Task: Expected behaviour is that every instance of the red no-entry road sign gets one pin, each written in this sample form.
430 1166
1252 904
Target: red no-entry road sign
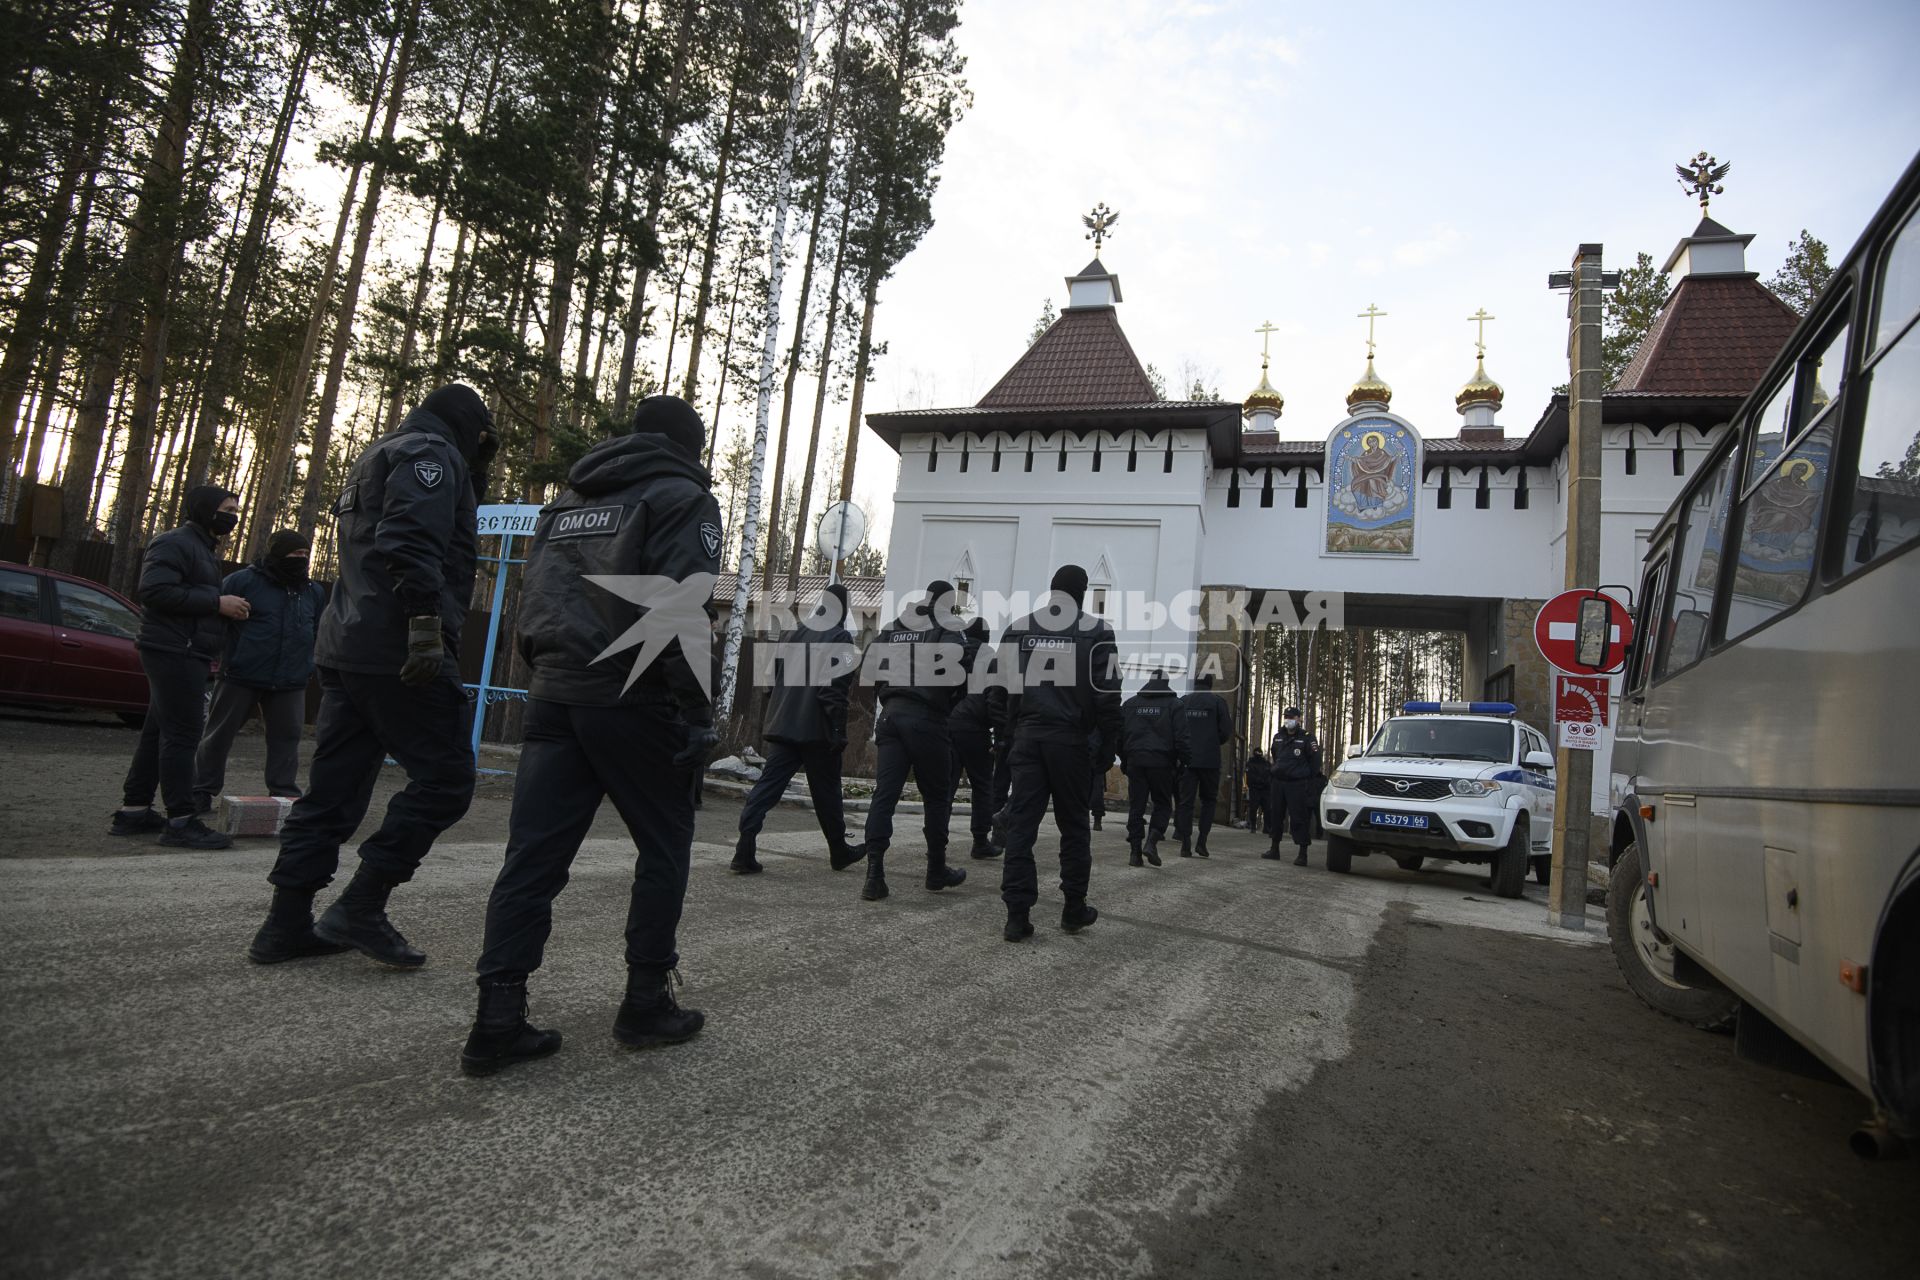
1583 631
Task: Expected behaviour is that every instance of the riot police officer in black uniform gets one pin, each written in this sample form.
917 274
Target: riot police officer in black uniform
389 686
805 727
1257 786
921 670
973 732
639 508
1059 684
1294 775
1152 742
1209 727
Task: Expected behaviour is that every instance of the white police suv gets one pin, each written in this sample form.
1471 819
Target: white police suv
1460 780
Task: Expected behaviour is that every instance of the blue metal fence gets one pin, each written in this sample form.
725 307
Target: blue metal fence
510 523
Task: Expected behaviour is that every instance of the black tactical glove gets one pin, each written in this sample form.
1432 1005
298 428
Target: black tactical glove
700 740
426 653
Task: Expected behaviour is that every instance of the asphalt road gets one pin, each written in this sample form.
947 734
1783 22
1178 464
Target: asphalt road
1244 1068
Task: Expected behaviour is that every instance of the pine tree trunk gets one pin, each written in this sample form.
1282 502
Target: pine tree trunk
645 245
703 296
865 353
350 290
801 509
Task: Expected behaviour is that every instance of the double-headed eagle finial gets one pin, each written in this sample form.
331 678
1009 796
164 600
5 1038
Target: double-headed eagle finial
1701 177
1098 224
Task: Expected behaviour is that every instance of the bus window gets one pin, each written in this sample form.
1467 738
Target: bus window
1779 526
1646 632
1883 510
1697 571
1769 433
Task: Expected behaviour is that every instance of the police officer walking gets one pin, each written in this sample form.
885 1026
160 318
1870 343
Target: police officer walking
389 686
183 628
921 668
1257 784
805 727
1294 774
1209 726
638 507
1152 742
1061 693
973 732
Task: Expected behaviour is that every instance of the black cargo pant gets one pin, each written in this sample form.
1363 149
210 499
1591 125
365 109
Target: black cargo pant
1199 789
575 757
821 760
281 710
1257 808
909 738
176 713
1294 798
1149 782
363 719
1097 790
973 757
1061 772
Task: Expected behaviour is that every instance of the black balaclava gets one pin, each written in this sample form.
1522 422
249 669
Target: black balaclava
833 609
1071 579
1158 681
940 602
203 508
1203 681
467 416
288 569
674 418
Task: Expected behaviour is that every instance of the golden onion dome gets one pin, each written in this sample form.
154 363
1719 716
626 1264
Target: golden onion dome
1481 390
1371 389
1263 399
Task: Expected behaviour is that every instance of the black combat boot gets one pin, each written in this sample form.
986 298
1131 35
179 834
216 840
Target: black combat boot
841 855
1133 852
1019 928
1273 852
136 822
1301 859
1151 849
1200 849
744 863
940 875
982 849
288 933
876 886
1096 821
1186 848
1077 915
649 1016
501 1034
358 919
191 833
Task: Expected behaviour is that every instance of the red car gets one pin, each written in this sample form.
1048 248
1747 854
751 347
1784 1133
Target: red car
67 642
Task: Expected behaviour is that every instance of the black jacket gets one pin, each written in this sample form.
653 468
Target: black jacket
972 714
1209 727
1058 681
406 542
273 648
180 595
804 706
635 507
1256 775
1153 733
1296 757
914 659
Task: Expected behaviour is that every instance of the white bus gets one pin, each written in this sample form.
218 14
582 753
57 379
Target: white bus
1766 776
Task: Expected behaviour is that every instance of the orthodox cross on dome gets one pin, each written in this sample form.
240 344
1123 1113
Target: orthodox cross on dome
1099 224
1371 314
1266 332
1701 177
1480 318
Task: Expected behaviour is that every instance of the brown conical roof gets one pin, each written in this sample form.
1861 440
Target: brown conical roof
1083 360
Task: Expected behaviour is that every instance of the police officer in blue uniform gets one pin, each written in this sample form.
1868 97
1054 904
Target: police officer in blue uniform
1209 726
389 684
1294 774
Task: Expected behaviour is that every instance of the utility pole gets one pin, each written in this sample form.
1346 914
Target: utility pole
1573 777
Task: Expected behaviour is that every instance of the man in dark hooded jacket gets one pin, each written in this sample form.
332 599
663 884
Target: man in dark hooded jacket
1058 691
1209 726
616 621
805 727
182 630
269 659
1153 741
973 729
919 662
1256 778
389 685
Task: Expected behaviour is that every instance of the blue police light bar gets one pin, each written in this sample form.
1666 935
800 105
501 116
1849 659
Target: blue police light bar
1460 708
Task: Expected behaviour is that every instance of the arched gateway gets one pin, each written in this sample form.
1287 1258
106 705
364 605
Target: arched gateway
1070 457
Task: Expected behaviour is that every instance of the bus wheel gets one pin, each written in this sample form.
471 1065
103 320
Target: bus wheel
1339 855
1648 963
1510 864
1543 868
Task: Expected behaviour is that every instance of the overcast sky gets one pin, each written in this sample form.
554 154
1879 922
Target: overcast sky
1297 162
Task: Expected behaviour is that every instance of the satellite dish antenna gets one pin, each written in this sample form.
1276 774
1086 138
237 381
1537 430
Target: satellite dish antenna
842 528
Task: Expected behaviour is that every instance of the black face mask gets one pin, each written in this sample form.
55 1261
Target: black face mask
291 570
224 523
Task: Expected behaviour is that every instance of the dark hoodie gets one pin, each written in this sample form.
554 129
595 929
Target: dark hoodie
634 506
811 670
1154 735
180 583
406 537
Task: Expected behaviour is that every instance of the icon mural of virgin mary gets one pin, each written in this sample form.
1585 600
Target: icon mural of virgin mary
1371 468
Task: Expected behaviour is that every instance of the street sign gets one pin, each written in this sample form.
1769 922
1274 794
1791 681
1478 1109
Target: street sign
1580 710
1583 631
1580 735
843 527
